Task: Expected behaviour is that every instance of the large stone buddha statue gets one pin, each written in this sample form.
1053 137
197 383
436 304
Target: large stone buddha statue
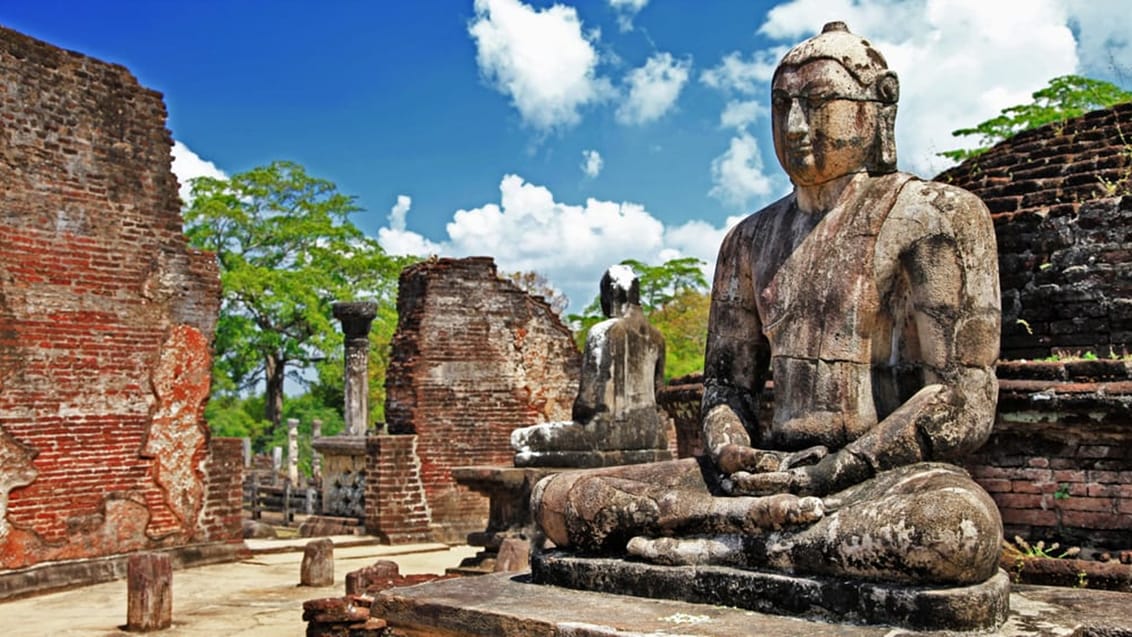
871 298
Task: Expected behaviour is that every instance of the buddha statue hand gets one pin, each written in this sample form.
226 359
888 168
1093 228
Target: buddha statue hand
831 474
733 458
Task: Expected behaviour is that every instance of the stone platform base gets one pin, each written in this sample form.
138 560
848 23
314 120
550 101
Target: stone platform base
565 460
505 605
979 607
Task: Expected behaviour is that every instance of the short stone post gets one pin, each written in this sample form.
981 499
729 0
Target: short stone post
276 464
247 452
149 592
318 564
293 451
356 318
316 457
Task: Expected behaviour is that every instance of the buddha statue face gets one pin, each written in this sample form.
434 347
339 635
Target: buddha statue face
833 109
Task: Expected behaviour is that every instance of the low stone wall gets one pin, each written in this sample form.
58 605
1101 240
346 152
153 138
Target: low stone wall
1058 462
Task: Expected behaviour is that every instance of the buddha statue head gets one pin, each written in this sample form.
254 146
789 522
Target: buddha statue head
833 108
619 289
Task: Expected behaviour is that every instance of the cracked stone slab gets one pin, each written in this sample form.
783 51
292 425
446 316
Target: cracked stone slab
508 605
982 606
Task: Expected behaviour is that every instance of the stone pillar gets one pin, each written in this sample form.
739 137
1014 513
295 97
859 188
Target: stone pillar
293 451
317 568
316 457
356 318
149 592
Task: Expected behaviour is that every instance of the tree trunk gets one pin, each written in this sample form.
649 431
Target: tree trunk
273 405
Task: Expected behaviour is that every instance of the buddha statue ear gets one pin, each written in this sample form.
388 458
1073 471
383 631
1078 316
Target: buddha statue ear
887 92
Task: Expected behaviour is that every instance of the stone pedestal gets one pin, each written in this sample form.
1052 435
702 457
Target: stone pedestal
979 607
509 516
149 592
505 605
343 484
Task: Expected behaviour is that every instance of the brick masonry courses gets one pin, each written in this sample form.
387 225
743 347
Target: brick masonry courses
106 322
473 358
1061 199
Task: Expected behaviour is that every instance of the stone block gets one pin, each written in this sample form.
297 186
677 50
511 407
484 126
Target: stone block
317 568
981 606
514 555
149 592
358 581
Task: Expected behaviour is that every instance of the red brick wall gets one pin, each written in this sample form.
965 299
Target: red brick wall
1059 461
106 317
1065 257
473 358
222 517
393 480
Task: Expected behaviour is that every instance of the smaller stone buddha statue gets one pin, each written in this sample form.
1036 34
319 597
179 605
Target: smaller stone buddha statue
615 419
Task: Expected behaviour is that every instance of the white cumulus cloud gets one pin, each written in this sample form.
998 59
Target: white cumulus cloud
738 114
570 244
592 163
626 11
541 59
1104 42
733 74
653 89
188 165
397 239
738 174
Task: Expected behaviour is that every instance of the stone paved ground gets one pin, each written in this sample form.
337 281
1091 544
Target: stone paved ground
257 597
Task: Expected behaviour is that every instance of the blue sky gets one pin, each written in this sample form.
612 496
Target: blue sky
556 137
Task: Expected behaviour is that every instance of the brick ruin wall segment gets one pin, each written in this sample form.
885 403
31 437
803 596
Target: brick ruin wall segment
1061 200
106 322
473 358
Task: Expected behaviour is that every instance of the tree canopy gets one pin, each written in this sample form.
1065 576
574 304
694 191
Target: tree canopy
286 249
1065 97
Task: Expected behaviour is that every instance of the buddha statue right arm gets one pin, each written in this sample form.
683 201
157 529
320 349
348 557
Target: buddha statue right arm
736 363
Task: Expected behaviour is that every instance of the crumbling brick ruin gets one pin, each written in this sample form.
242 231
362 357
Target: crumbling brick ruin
1059 462
1065 256
473 358
106 321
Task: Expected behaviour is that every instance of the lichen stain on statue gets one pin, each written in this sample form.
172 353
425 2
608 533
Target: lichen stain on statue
177 437
615 418
872 297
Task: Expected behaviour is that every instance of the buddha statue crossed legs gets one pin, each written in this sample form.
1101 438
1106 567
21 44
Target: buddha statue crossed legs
872 297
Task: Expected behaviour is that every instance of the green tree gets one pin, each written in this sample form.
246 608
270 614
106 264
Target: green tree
286 250
1066 97
675 299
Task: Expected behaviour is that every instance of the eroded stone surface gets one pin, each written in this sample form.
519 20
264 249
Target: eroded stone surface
872 297
615 416
317 568
506 605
